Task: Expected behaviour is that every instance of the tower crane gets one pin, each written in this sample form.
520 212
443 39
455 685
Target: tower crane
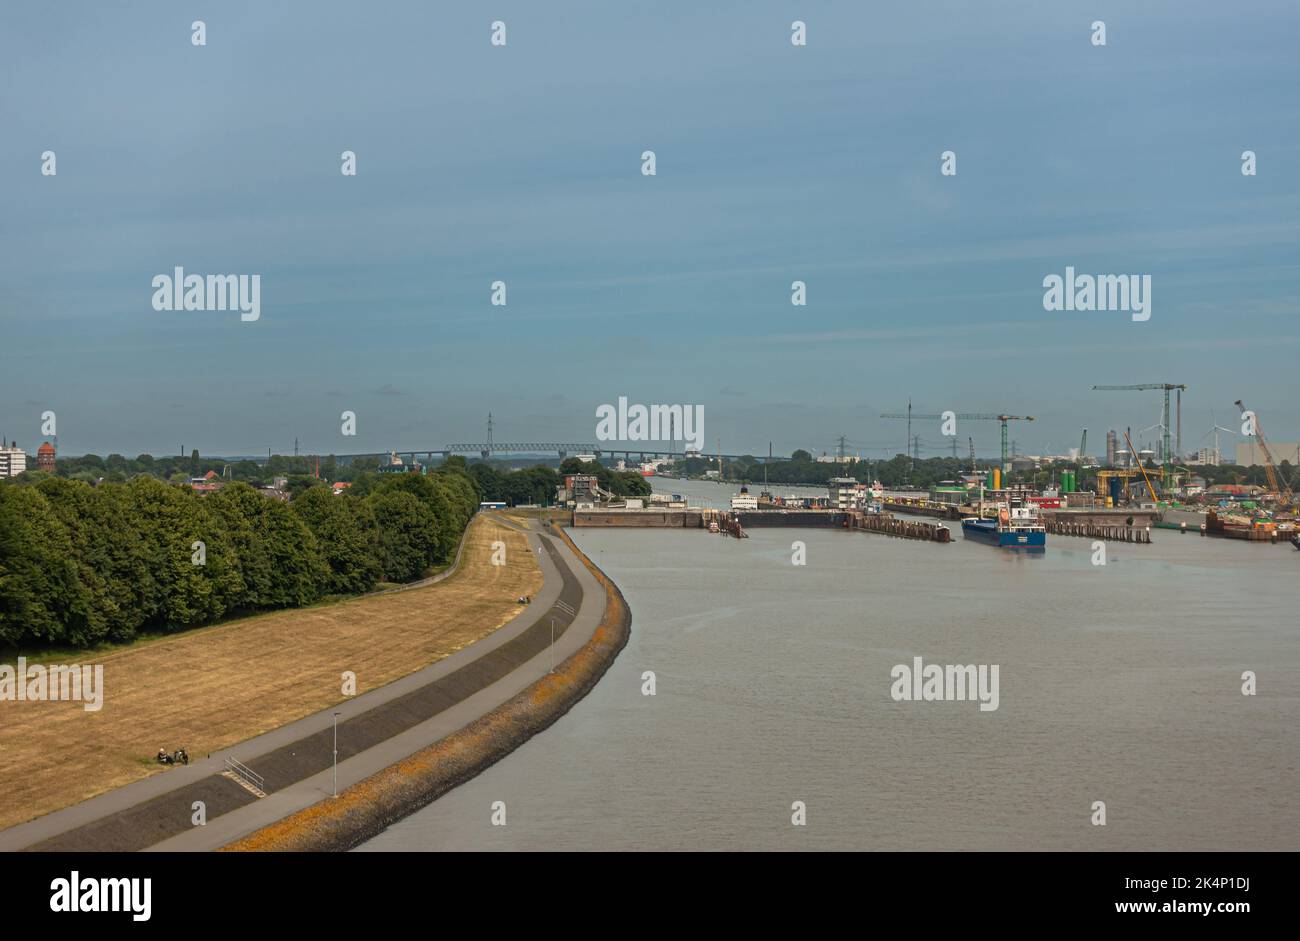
968 416
1167 458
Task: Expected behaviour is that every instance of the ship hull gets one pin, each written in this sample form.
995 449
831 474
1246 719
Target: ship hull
987 532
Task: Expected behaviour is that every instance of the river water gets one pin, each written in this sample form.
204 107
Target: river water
1118 683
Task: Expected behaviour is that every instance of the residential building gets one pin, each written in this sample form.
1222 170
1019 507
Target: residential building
13 460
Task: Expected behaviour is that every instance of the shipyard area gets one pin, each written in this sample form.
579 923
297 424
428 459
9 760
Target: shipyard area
975 506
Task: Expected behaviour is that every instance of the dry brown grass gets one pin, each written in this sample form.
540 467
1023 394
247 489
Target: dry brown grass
211 688
365 808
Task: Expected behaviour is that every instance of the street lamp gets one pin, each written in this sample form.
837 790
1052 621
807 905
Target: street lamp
336 754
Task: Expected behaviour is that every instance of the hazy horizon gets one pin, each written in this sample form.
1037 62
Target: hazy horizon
522 163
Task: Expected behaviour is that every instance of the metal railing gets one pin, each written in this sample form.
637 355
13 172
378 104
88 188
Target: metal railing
242 770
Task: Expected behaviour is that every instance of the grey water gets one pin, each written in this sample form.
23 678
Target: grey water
1118 683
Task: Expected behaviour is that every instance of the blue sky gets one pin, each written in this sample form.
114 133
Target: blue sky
522 163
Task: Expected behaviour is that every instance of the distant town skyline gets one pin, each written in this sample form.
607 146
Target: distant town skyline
774 164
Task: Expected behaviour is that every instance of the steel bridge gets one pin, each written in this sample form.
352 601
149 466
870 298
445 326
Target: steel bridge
651 449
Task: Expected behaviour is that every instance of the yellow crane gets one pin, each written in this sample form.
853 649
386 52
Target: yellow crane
1150 489
1281 489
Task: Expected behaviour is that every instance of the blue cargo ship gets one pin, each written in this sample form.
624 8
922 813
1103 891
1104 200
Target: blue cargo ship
1017 526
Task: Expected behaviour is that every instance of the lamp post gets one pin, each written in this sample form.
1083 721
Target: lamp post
336 754
552 645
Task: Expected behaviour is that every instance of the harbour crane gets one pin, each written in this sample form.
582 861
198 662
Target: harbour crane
1147 480
967 416
1167 458
1285 498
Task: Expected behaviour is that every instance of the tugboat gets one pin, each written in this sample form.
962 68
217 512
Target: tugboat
1017 526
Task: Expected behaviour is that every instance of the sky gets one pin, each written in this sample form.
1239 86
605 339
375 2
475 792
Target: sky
523 163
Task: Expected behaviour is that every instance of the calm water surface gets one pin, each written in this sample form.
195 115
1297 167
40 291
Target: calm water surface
1119 683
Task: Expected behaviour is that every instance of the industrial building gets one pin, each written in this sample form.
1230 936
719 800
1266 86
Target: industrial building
1250 453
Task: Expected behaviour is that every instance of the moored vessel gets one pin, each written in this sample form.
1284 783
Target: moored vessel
1017 526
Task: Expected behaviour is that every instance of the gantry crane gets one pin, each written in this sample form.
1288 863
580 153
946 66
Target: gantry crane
968 416
1167 458
1285 498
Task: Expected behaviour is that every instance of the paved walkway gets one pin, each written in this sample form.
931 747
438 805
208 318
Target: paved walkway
375 730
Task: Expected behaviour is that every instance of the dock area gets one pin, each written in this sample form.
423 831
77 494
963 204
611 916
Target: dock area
1093 530
905 529
919 506
691 518
804 518
735 522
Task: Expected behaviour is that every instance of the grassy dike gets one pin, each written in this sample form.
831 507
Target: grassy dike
212 687
367 808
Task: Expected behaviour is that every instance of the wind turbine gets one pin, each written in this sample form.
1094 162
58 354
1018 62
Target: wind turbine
1162 438
1215 428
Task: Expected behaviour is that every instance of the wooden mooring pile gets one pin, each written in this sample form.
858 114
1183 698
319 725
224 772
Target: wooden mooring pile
905 529
1105 533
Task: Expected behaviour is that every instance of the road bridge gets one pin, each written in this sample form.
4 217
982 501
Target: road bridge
649 451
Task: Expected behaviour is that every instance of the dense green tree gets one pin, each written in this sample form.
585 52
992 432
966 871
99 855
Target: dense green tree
571 465
303 482
348 536
42 597
433 492
490 481
278 556
82 562
95 535
170 520
407 533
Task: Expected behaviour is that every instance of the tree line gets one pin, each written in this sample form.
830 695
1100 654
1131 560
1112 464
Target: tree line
82 564
537 484
526 485
116 468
